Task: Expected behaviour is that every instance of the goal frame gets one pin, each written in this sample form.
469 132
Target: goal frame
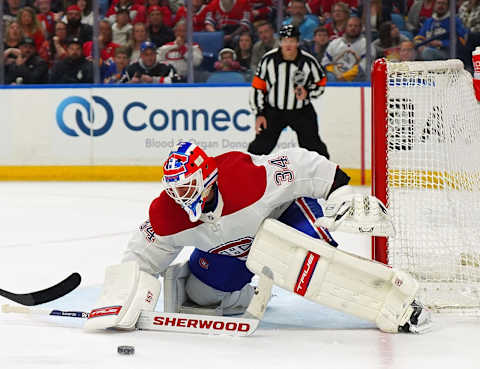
451 281
379 145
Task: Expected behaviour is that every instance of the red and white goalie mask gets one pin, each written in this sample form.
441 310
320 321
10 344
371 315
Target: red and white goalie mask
188 174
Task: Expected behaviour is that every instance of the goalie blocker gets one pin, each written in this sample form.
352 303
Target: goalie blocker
334 278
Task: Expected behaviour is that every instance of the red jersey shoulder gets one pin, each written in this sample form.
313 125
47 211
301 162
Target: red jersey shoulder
240 181
167 217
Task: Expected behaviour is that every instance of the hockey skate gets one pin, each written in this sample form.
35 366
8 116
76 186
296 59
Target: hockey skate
420 321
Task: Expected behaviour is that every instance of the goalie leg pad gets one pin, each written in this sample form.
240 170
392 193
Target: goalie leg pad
332 277
126 292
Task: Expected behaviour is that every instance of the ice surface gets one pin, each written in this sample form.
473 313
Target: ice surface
50 229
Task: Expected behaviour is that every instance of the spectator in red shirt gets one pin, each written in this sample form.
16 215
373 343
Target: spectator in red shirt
107 47
230 16
340 15
420 11
327 6
46 17
261 9
199 13
137 10
30 26
55 48
165 8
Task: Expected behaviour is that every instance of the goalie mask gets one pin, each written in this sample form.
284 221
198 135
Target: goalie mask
188 174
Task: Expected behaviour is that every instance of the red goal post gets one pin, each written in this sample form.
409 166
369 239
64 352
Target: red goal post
426 169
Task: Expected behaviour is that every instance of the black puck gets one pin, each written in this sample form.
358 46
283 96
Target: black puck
126 350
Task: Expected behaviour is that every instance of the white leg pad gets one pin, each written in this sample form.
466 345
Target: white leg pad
331 277
126 292
263 292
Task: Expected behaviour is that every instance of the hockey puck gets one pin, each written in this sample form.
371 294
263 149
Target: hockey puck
126 350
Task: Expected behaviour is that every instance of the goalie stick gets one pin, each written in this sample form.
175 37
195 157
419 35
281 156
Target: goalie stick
46 295
159 321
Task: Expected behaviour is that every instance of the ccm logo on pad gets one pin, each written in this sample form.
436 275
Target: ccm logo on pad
109 310
306 273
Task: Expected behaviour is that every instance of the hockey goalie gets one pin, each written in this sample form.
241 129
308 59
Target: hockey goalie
266 215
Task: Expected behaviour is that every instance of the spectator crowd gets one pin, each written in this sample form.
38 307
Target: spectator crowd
145 41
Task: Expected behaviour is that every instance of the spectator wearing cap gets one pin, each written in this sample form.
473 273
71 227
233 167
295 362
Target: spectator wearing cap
175 53
227 61
28 67
199 14
148 70
122 29
75 68
136 9
230 16
30 26
158 33
306 23
105 43
75 27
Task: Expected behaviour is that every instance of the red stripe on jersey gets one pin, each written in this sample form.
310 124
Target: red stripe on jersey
311 217
232 244
306 273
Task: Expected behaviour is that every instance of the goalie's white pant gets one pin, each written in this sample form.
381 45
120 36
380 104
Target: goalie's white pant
331 277
182 288
235 302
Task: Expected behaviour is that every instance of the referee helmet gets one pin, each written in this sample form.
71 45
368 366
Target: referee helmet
289 30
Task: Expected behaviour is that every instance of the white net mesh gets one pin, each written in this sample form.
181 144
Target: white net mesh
433 160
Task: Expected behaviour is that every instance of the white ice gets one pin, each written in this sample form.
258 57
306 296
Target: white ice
50 229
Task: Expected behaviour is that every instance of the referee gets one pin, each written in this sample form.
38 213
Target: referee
285 81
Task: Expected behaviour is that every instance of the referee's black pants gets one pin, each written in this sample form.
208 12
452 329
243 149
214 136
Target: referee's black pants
302 121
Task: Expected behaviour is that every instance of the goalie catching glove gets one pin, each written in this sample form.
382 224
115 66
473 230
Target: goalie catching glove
347 211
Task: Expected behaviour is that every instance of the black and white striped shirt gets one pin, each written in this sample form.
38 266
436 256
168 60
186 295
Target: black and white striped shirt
273 83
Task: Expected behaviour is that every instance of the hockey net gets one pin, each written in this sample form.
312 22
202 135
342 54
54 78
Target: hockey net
426 168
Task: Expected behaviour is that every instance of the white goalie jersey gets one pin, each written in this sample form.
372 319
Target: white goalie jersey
250 189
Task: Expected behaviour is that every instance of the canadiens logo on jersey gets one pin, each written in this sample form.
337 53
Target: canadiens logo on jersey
237 248
203 262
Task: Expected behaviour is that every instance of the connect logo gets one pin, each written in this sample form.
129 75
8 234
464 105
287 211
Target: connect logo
79 116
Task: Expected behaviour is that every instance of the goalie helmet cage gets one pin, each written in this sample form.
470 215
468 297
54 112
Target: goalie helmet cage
426 169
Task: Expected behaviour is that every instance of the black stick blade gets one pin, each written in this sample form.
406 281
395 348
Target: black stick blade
46 295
